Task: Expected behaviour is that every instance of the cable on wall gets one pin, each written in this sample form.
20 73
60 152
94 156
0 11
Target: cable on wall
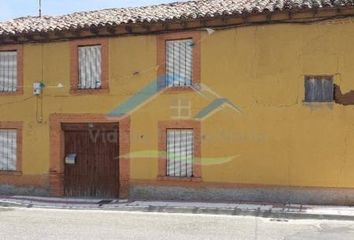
39 87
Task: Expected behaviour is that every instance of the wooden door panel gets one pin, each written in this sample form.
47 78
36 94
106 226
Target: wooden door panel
96 171
76 176
106 148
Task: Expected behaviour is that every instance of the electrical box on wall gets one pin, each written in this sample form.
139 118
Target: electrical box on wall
38 88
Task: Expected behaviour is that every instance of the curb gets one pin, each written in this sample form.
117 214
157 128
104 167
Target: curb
10 204
237 212
280 215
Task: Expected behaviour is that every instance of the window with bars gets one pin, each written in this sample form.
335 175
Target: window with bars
180 152
8 71
179 63
8 149
319 89
90 67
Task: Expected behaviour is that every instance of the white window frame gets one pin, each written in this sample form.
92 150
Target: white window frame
179 62
180 152
8 71
311 84
8 149
90 67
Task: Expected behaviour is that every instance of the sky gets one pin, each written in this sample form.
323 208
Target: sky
10 9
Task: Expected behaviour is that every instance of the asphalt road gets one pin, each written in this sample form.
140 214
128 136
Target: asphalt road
76 224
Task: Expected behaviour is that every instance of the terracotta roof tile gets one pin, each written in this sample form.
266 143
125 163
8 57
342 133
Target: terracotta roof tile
164 12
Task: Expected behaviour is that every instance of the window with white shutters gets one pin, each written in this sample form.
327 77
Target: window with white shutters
180 152
179 63
8 71
319 89
8 149
90 70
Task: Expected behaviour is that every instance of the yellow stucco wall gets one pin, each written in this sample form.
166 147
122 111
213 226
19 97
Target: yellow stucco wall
276 139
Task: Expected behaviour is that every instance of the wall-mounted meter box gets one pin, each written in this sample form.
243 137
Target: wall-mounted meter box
38 88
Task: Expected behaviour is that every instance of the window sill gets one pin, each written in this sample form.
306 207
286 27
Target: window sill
179 89
79 92
179 179
17 93
10 173
318 103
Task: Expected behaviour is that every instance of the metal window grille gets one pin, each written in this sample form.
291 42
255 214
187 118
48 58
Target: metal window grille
8 149
319 89
180 152
8 71
179 63
90 70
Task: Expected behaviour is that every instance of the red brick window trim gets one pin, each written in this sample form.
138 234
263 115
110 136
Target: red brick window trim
161 57
18 127
19 50
74 63
163 127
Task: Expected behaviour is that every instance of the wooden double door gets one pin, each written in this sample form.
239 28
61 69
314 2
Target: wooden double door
91 161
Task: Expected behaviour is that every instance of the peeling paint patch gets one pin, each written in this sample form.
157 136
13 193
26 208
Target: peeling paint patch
343 99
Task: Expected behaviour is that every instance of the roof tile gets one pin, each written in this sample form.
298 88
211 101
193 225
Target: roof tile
163 12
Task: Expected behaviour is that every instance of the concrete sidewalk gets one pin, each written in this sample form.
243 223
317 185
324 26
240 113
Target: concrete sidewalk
292 211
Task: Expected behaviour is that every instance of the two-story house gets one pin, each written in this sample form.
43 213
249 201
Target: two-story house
224 100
